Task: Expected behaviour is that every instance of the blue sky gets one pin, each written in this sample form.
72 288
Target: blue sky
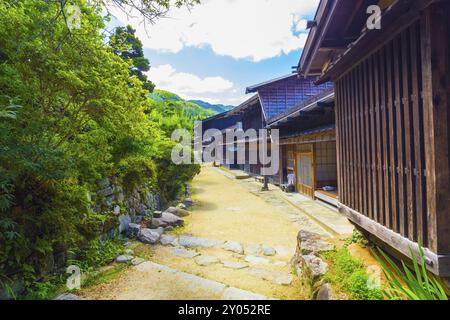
217 49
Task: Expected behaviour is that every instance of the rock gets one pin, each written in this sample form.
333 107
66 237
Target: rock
124 222
193 242
315 246
105 192
108 201
268 251
159 230
305 235
104 183
234 265
148 236
233 246
183 253
140 209
239 294
157 222
182 206
314 265
137 261
68 296
167 219
325 292
168 240
280 264
129 252
283 251
124 259
206 260
284 279
253 249
134 229
157 214
138 219
308 244
188 202
116 210
256 260
120 196
178 212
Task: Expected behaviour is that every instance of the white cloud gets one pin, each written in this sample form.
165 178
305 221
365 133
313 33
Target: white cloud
188 85
242 29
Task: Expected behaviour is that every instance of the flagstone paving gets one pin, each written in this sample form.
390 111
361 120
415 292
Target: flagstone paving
237 243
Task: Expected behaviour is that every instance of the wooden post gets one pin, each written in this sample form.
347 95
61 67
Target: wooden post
436 95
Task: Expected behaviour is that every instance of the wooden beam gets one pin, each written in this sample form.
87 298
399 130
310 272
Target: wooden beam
356 6
436 263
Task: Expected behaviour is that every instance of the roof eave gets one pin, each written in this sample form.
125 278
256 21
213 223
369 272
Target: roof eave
315 37
396 18
254 88
326 95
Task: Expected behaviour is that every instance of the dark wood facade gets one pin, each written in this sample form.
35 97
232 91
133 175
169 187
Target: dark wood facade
272 99
393 119
308 145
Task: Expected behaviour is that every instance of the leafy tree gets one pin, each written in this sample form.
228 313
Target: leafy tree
81 118
129 47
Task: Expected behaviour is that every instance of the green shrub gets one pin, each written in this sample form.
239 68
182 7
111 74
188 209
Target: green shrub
348 274
98 253
82 117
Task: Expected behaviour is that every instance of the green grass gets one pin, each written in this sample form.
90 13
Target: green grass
348 275
104 277
358 238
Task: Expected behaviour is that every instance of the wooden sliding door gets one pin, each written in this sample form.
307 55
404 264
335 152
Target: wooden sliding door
305 170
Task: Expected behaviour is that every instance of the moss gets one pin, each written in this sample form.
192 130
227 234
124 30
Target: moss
348 274
358 238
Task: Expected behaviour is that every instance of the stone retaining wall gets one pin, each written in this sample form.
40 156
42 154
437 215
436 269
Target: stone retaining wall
310 267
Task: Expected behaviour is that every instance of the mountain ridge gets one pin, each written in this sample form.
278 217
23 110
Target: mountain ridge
217 108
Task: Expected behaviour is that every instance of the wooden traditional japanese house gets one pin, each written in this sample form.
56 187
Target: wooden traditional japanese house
308 147
392 88
270 99
276 97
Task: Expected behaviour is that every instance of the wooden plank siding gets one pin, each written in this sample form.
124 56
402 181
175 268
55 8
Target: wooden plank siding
435 52
381 137
392 93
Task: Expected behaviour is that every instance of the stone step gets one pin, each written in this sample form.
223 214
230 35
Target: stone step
330 220
193 286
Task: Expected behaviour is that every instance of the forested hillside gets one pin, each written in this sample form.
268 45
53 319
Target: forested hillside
175 105
73 111
216 108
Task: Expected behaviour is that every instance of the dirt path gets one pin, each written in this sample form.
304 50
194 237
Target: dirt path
225 210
